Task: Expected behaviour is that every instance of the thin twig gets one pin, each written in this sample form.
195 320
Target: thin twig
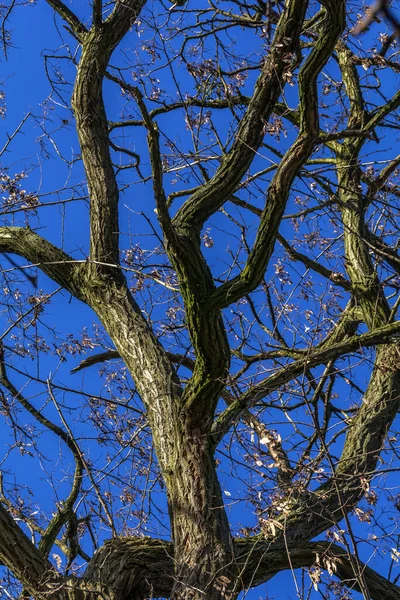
12 136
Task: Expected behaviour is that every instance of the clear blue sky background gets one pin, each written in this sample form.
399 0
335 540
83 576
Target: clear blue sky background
26 86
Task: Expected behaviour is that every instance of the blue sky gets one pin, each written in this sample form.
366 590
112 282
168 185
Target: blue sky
35 38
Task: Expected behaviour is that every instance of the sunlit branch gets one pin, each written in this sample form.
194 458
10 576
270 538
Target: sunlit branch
294 159
258 561
54 262
249 136
314 358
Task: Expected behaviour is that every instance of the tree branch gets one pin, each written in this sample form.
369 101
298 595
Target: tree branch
260 562
202 204
62 516
66 13
335 277
278 192
36 574
18 553
92 128
316 357
52 261
95 359
139 567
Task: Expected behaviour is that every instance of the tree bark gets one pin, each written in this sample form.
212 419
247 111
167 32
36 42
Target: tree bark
204 560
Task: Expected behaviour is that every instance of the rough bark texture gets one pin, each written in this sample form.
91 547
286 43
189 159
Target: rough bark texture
203 548
132 567
203 560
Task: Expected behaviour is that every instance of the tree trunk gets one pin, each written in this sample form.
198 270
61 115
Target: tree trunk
203 548
203 554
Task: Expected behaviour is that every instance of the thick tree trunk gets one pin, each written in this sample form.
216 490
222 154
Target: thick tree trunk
204 562
203 556
200 527
202 546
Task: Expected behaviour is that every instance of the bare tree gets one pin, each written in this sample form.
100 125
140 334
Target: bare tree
251 336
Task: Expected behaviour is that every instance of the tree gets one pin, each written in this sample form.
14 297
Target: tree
256 324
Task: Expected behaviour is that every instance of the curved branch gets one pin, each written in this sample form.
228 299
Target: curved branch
317 356
121 19
95 359
53 261
36 574
294 159
18 553
134 567
260 562
139 567
202 204
92 128
62 516
69 17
